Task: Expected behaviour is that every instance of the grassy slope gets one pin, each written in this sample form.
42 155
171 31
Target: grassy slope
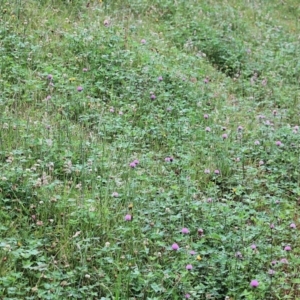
90 137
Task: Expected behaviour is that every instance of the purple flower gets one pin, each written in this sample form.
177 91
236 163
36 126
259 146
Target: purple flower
185 230
217 172
79 88
132 165
160 78
224 136
207 171
189 267
143 41
153 96
85 69
253 246
284 261
273 262
136 161
209 200
128 218
278 143
192 252
293 225
271 272
206 80
207 129
274 112
169 159
106 22
49 77
254 283
115 194
256 142
272 226
238 255
187 296
205 116
175 247
287 248
240 128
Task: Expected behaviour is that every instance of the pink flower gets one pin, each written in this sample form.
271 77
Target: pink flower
238 255
153 97
207 129
192 252
136 161
132 165
287 248
217 172
293 226
254 283
106 22
278 143
189 267
205 116
160 78
272 226
206 171
253 246
224 136
128 218
79 88
240 128
284 261
271 272
187 296
115 194
185 231
175 247
49 77
143 41
169 159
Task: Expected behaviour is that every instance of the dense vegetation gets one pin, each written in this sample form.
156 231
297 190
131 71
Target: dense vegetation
149 149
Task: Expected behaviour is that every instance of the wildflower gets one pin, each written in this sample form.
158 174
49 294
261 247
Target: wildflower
261 162
200 231
272 226
160 78
254 283
85 69
106 22
153 97
189 267
112 110
132 165
274 262
199 257
274 112
224 136
169 159
185 231
107 244
237 159
293 225
187 296
287 248
284 261
192 252
271 272
240 128
206 171
175 247
217 172
128 218
209 200
206 80
253 246
49 77
115 194
256 142
79 88
278 143
205 116
136 161
207 129
143 41
238 255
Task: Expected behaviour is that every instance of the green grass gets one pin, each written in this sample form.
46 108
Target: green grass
204 94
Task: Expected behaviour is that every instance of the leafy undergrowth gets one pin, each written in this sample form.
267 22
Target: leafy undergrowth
149 150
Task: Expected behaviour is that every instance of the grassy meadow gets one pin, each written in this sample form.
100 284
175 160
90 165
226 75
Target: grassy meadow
150 149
